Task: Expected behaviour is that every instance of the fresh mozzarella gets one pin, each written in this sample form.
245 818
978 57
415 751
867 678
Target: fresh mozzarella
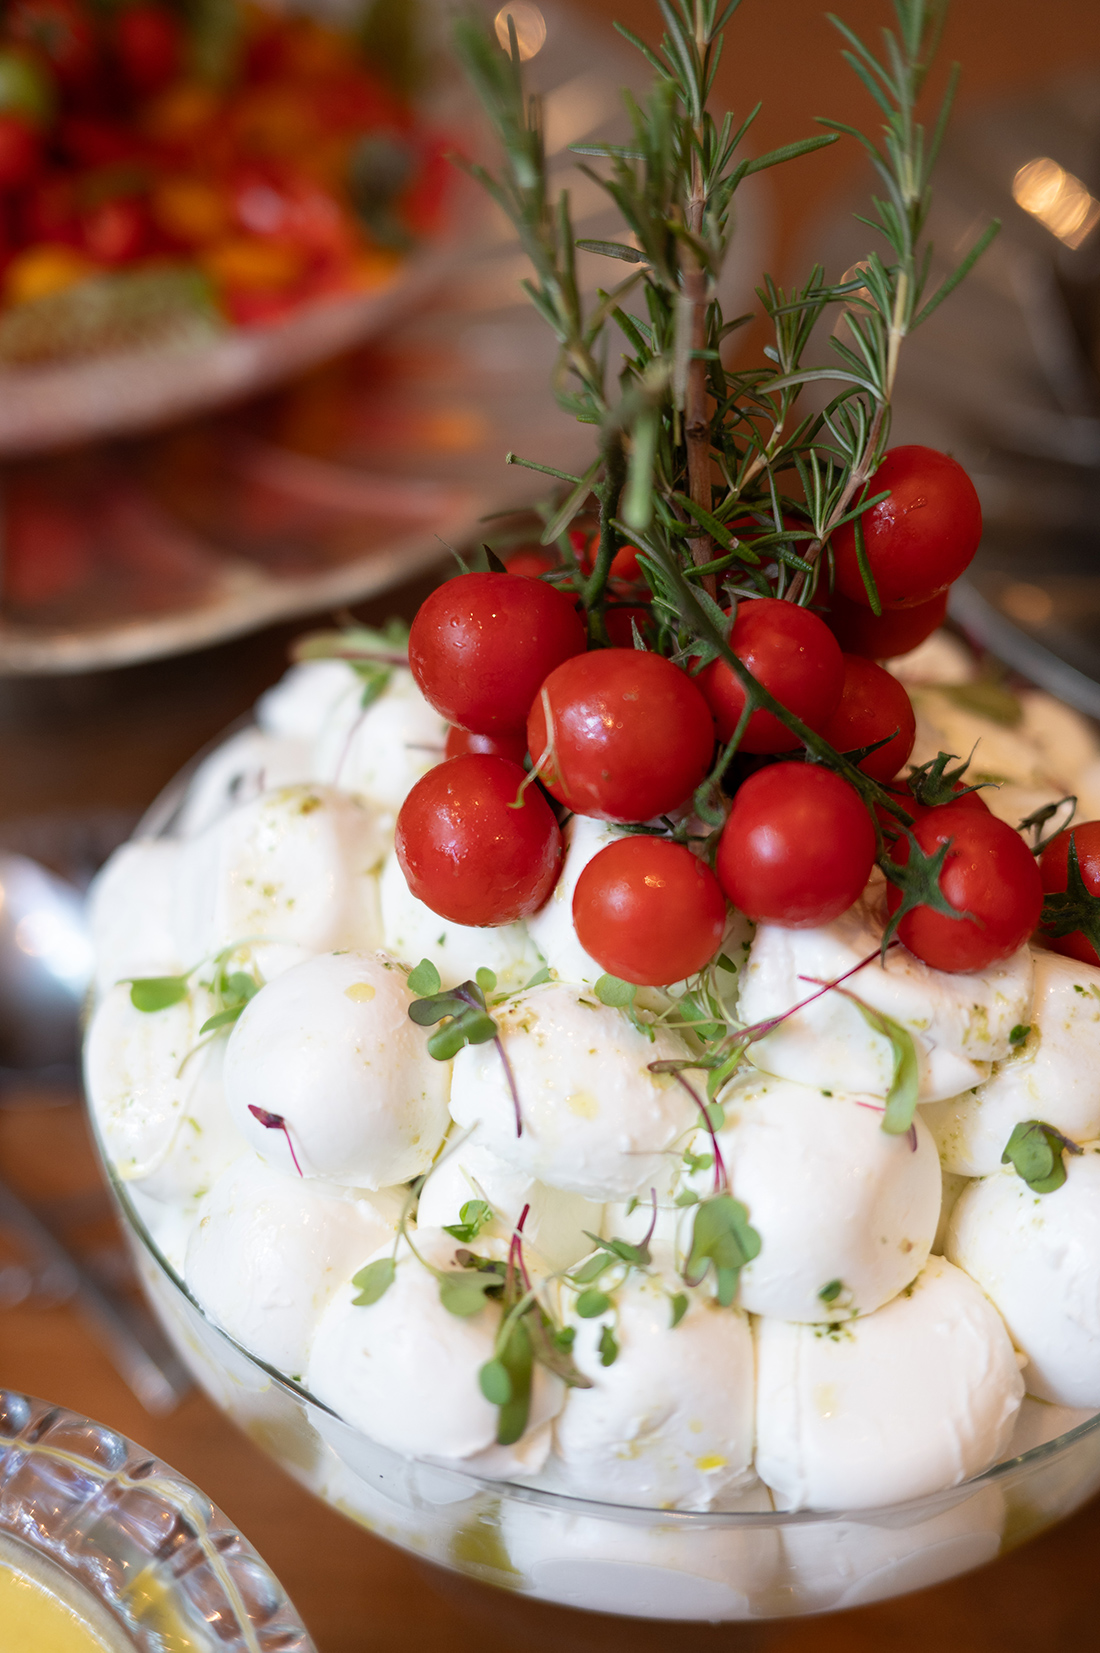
268 1251
554 1228
241 768
411 931
904 1402
551 928
595 1120
404 1369
647 1569
952 1187
960 1023
1053 1074
154 1085
296 865
303 702
380 752
130 912
1037 1257
329 1049
669 1424
846 1213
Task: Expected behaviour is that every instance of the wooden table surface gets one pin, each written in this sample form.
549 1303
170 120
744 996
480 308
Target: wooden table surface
110 740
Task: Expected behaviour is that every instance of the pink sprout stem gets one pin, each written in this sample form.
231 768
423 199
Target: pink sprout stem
720 1178
276 1122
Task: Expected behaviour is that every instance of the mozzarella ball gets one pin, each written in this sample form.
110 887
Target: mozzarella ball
952 1187
1052 1075
328 1047
839 1564
595 1120
130 913
914 1398
669 1424
268 1252
1037 1257
554 1229
238 770
168 1226
833 1197
296 865
155 1088
404 1369
303 702
411 931
382 751
645 1570
551 928
960 1023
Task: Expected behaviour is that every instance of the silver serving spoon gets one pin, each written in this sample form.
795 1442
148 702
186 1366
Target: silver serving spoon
45 969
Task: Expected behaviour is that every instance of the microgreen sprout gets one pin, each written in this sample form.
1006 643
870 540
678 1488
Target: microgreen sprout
465 1017
901 1097
1037 1151
276 1122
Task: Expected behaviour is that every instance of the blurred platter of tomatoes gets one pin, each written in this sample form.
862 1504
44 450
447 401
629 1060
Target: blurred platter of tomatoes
200 197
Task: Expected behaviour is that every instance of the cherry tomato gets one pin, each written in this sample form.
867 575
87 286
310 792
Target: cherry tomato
482 645
20 152
512 744
873 704
116 232
466 853
989 874
62 31
649 911
624 564
920 538
620 623
532 559
798 846
149 46
883 636
1054 871
632 735
797 659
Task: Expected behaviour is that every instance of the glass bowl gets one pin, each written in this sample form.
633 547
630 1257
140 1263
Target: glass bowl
136 1552
754 1563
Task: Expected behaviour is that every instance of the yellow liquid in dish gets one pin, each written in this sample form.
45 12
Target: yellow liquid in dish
43 1614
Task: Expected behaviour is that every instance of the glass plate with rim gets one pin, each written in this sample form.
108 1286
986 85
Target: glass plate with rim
130 1550
751 1563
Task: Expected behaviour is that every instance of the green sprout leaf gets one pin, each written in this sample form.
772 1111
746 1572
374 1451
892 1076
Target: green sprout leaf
678 1304
424 981
517 1358
830 1293
486 979
495 1382
1037 1153
374 1281
472 1219
463 1294
592 1303
151 993
1019 1033
721 1236
608 1347
615 993
901 1098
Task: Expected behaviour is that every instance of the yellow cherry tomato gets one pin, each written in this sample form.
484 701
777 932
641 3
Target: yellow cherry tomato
46 268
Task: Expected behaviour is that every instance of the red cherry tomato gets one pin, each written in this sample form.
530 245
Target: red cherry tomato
62 31
649 911
798 846
989 873
920 538
632 735
532 560
511 744
1054 871
466 853
797 659
116 232
620 623
883 636
149 46
873 704
20 152
624 564
482 645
